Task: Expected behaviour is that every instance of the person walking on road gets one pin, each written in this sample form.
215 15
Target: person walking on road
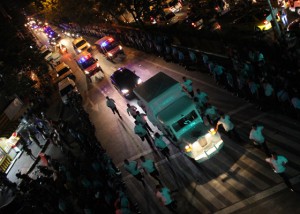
131 110
132 168
164 196
202 97
142 133
161 145
228 126
278 164
187 86
141 119
258 138
149 167
112 105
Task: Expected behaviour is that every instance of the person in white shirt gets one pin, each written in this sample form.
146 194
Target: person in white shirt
132 168
142 133
257 137
149 167
295 102
187 86
202 98
131 110
278 164
161 145
164 196
112 105
211 114
228 126
140 118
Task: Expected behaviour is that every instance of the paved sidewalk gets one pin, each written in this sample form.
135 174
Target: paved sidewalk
24 163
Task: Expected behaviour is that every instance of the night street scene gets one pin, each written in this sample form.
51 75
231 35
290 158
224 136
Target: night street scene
150 106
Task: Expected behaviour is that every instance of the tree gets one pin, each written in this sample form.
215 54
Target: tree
20 58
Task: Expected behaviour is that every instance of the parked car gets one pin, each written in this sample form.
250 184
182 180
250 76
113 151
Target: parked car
66 87
125 80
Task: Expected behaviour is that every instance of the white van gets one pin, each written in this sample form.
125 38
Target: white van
66 87
90 66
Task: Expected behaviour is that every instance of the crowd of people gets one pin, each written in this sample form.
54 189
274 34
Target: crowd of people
92 183
84 181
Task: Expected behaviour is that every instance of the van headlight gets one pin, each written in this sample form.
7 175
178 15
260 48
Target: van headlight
188 148
86 72
120 47
139 81
88 44
78 50
124 91
110 54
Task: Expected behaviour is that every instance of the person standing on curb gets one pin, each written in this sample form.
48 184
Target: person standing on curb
149 167
278 164
142 133
131 110
164 196
112 105
258 138
132 168
140 119
228 126
161 145
187 86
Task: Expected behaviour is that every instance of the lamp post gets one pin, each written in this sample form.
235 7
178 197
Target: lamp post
277 29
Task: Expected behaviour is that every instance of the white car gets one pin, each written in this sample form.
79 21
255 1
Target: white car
49 55
66 87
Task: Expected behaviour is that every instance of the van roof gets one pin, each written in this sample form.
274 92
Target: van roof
105 38
75 41
155 86
82 54
61 66
65 82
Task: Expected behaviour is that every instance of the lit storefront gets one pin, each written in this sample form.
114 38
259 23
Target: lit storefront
8 151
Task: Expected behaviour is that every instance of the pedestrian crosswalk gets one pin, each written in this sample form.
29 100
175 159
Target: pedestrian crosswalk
238 175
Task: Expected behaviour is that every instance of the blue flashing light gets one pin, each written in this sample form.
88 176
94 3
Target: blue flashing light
103 44
83 59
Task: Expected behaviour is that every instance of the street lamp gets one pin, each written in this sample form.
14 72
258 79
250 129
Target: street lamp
277 29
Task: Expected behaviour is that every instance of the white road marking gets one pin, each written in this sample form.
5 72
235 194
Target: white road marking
257 197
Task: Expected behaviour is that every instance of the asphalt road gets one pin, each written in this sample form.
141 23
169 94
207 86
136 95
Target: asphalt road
235 179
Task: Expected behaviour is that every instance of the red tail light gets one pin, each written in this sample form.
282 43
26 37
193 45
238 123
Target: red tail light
266 22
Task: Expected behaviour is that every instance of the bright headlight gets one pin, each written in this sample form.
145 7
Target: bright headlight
188 148
120 47
212 131
110 54
88 44
86 72
139 81
79 51
124 91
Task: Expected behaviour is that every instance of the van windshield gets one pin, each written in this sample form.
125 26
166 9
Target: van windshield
87 63
66 90
80 43
110 46
186 120
63 71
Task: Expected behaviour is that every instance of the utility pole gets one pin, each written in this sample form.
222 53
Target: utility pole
277 29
